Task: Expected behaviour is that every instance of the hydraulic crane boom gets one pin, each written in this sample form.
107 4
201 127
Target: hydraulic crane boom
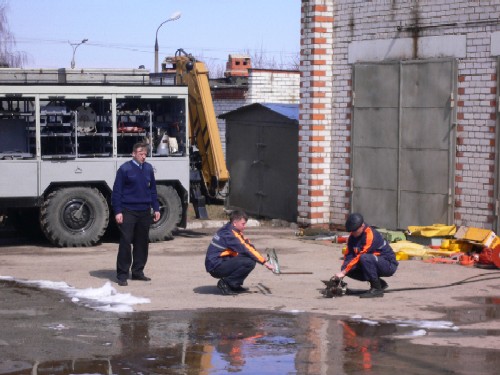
203 129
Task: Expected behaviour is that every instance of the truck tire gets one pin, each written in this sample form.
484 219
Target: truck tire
74 217
170 210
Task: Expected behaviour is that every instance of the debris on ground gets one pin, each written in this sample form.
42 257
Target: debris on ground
436 243
334 287
447 244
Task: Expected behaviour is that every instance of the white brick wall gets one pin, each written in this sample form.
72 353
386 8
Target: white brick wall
360 20
273 86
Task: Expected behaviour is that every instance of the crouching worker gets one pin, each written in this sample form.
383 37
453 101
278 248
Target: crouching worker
368 256
231 257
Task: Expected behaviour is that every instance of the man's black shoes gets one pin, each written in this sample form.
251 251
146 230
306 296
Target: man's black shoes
377 287
141 278
123 282
239 289
225 288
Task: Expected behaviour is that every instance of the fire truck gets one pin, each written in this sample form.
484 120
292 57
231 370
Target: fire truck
65 132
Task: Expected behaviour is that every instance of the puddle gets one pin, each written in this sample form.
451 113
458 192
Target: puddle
45 333
476 310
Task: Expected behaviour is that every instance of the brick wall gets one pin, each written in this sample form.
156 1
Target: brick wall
317 159
273 86
330 28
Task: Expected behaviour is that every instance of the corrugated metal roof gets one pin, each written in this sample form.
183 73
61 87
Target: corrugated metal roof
288 110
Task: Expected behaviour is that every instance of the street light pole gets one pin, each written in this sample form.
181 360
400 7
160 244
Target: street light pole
75 46
173 17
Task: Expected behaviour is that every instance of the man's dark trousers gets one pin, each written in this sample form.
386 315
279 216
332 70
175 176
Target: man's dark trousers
134 243
371 267
234 270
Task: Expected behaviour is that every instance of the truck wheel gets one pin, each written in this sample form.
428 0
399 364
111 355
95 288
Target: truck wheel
76 216
170 210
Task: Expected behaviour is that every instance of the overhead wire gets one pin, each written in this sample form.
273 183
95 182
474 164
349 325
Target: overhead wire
142 48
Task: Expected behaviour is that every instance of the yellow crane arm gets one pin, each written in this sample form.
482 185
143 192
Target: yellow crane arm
203 129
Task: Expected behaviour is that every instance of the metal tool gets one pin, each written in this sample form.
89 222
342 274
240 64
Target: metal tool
272 259
335 287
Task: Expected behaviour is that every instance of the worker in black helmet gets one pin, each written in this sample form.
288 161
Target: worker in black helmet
368 256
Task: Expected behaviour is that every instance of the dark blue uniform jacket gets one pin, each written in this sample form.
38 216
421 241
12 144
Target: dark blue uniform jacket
134 188
369 242
229 242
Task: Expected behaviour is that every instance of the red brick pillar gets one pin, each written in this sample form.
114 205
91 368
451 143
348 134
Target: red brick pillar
315 121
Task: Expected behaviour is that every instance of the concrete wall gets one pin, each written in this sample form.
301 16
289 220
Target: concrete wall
336 34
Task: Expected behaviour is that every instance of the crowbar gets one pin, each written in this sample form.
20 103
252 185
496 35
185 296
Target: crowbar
272 258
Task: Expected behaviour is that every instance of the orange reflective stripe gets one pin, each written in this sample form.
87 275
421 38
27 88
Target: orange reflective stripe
369 240
351 264
228 253
249 247
364 250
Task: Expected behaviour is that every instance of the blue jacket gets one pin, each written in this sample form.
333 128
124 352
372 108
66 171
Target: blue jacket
134 188
229 242
369 242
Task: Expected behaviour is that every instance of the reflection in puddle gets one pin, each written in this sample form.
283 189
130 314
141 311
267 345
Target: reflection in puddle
219 342
255 342
476 310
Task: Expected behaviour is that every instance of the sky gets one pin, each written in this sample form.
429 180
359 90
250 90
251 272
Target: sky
121 33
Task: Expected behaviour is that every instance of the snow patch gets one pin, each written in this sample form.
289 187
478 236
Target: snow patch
105 298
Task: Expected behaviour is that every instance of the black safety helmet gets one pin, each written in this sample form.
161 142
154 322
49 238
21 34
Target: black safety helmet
353 222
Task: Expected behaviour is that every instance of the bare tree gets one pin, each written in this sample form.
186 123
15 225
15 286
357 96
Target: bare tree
260 60
294 63
215 67
8 57
217 70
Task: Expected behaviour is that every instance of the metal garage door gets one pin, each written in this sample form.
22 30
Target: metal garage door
262 155
403 139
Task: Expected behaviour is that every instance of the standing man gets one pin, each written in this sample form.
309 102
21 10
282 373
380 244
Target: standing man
368 256
134 194
231 257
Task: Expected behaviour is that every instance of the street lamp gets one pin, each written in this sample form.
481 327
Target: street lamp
173 17
75 46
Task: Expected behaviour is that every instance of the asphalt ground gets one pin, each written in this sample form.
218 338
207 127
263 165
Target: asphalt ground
466 296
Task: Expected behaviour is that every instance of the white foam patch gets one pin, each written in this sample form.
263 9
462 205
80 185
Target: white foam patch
423 324
105 298
57 326
426 324
370 322
419 332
